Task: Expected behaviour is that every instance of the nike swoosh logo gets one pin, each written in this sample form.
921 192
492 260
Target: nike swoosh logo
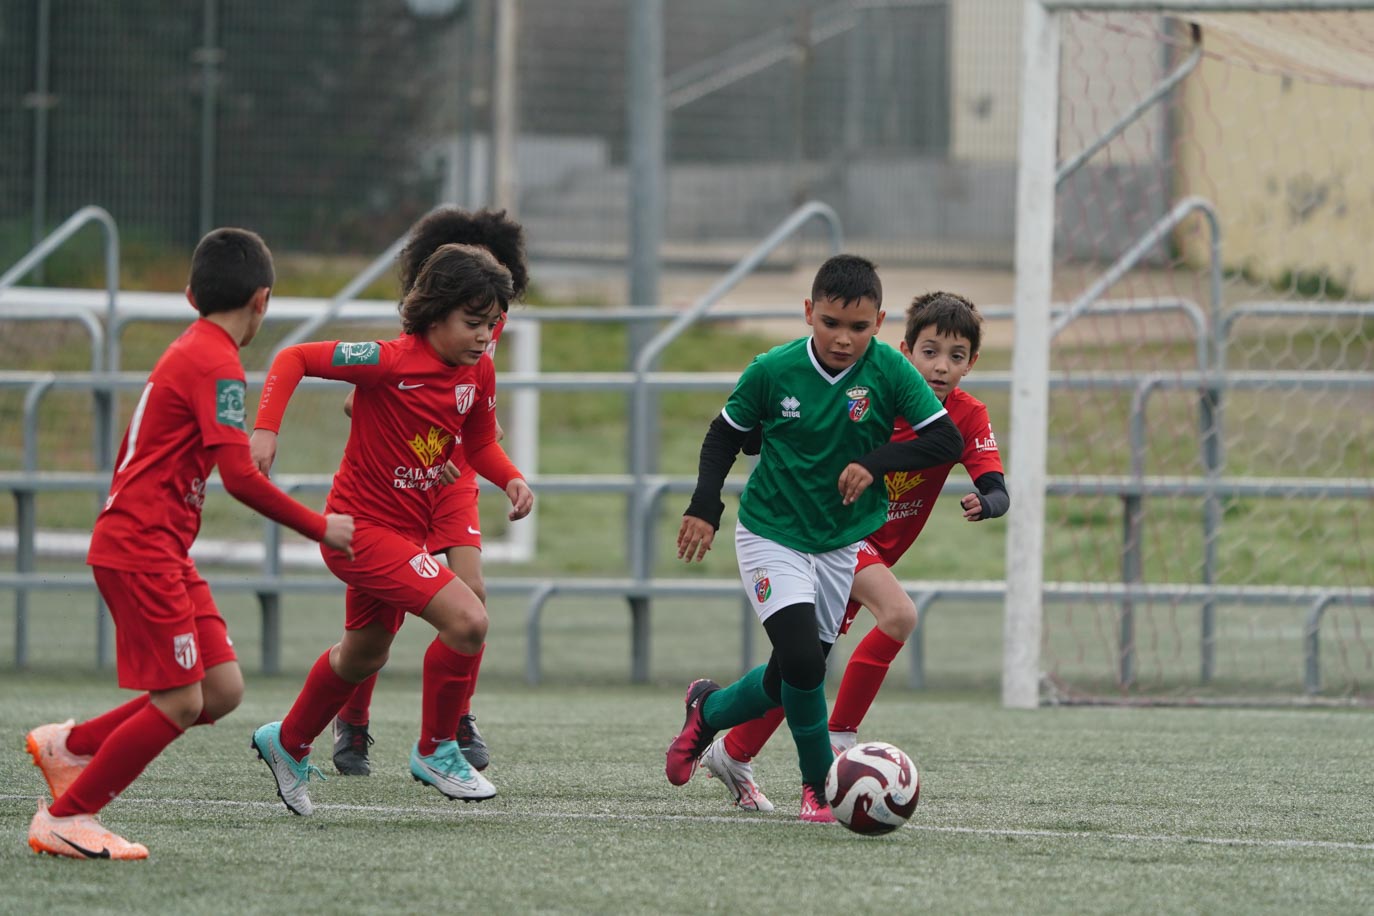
103 854
472 530
404 387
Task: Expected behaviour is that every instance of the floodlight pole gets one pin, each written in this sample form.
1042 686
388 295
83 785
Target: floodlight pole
504 175
645 114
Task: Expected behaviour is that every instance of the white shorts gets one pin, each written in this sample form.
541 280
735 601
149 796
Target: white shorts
777 577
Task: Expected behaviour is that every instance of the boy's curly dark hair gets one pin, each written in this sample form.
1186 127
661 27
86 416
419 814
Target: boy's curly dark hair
454 277
489 229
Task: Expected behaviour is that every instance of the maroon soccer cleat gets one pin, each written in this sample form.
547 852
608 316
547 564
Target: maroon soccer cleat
688 746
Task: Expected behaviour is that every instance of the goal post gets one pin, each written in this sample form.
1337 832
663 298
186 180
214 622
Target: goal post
1193 369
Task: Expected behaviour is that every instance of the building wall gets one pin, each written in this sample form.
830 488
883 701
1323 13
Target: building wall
1287 161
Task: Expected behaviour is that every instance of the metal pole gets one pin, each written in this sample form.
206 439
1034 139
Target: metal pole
504 178
645 139
1035 184
40 100
210 56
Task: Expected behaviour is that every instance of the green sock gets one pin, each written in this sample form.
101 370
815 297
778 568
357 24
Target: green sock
807 718
743 701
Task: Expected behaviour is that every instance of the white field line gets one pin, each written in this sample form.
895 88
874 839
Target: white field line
742 819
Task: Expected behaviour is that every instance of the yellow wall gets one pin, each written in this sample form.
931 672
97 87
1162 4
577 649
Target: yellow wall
1288 161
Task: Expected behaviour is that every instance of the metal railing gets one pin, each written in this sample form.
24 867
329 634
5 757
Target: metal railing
647 489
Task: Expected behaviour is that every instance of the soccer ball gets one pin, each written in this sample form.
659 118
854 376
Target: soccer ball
872 788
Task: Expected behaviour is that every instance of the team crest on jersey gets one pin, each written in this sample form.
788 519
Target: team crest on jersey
430 447
791 407
465 394
425 566
858 403
367 353
900 483
763 590
229 402
184 650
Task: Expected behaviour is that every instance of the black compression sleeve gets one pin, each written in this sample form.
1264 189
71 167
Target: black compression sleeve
939 442
992 489
718 452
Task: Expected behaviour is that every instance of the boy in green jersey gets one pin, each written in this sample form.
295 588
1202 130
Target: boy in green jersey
825 405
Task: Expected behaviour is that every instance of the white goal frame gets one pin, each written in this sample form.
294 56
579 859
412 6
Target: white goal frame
1034 264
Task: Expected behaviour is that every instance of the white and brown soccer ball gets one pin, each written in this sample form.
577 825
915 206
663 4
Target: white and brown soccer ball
873 788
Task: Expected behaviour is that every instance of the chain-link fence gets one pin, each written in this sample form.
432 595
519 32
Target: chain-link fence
329 125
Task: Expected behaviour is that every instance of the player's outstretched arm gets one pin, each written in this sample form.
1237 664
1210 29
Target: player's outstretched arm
939 442
247 484
719 449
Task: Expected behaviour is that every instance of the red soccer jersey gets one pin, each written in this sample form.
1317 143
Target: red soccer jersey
192 403
467 477
409 410
912 494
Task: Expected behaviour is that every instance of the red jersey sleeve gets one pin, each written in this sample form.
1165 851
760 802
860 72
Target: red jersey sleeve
245 483
980 445
360 363
479 433
217 403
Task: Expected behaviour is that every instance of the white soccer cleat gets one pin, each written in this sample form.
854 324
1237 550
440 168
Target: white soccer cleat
842 741
448 771
47 745
736 776
80 836
292 777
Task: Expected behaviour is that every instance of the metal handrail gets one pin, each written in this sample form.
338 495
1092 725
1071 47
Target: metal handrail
55 239
360 282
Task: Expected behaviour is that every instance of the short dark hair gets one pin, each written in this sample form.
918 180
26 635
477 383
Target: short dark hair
228 267
950 313
489 229
464 277
847 277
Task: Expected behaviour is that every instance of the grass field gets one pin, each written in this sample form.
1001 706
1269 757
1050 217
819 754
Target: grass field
1055 811
1078 810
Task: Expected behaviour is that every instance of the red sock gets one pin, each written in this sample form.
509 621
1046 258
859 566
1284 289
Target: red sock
323 695
355 711
862 677
126 753
446 677
85 739
744 741
465 704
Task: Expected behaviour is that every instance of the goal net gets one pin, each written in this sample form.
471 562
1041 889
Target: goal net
1192 449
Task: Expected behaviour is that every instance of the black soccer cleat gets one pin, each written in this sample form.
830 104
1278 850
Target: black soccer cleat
471 744
350 749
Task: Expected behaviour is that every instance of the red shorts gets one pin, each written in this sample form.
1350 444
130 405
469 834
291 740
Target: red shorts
390 577
868 556
167 628
456 520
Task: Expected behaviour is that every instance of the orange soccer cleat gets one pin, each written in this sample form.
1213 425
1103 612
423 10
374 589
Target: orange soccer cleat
80 836
47 745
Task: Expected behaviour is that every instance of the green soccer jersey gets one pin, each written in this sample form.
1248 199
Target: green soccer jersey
813 426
